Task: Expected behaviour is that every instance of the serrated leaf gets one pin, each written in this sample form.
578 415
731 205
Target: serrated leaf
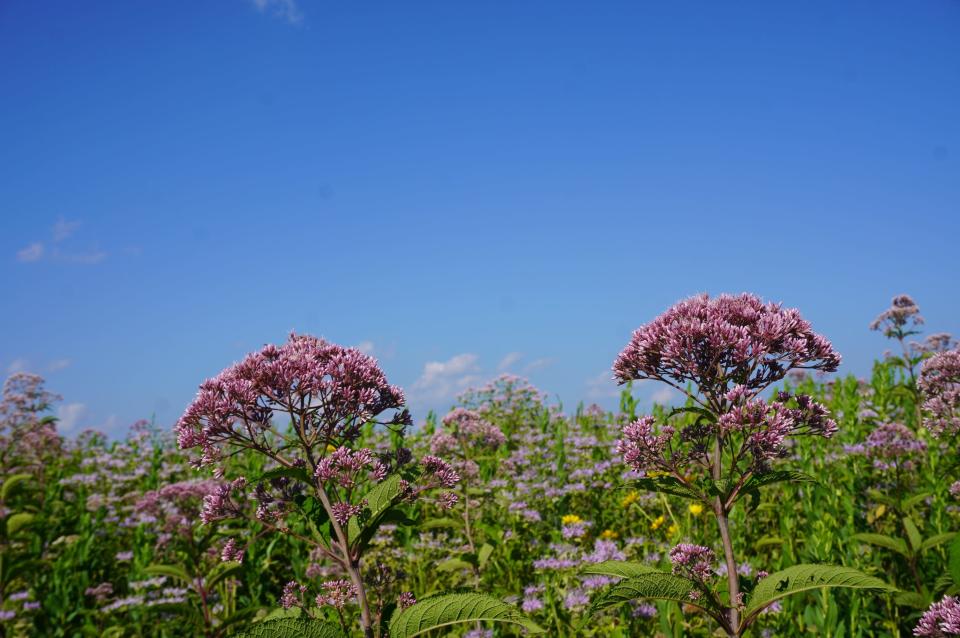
801 578
953 561
172 571
667 485
913 534
451 609
617 569
11 482
291 628
379 500
897 545
652 585
911 599
777 476
937 539
299 473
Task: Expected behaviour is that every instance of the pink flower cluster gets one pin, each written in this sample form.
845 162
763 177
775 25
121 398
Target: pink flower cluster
337 594
724 341
940 387
903 310
941 620
343 467
693 561
333 390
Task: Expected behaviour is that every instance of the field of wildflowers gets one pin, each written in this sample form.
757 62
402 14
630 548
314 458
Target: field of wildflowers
296 496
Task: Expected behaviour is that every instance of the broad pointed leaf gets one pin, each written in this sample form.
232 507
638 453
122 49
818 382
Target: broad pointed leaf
617 569
451 609
897 545
292 628
801 578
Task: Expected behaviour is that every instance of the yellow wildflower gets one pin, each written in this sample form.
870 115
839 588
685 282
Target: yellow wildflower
570 519
673 529
609 534
696 509
632 497
657 522
330 448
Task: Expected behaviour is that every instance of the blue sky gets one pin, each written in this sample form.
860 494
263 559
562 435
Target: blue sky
459 187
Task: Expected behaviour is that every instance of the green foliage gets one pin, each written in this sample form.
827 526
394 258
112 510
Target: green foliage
454 609
292 628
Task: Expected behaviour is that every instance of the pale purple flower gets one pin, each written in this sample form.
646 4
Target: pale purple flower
941 620
337 593
940 388
693 561
406 599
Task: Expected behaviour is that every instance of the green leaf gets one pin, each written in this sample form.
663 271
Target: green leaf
436 523
173 571
451 609
667 485
897 545
953 562
617 569
222 571
651 585
778 476
911 599
379 500
800 578
452 565
937 539
12 482
484 554
913 534
299 473
16 522
291 628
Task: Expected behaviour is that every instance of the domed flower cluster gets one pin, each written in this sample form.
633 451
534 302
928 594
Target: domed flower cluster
941 620
466 430
723 342
730 349
940 387
693 561
328 390
903 312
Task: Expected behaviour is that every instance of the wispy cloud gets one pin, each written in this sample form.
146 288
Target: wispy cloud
58 364
510 359
61 230
602 386
17 365
442 379
285 9
537 364
33 252
69 415
366 347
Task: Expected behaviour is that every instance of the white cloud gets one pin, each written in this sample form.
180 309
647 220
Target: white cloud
69 416
510 359
602 386
441 379
366 347
92 257
58 364
63 229
662 395
33 252
537 364
17 365
286 9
